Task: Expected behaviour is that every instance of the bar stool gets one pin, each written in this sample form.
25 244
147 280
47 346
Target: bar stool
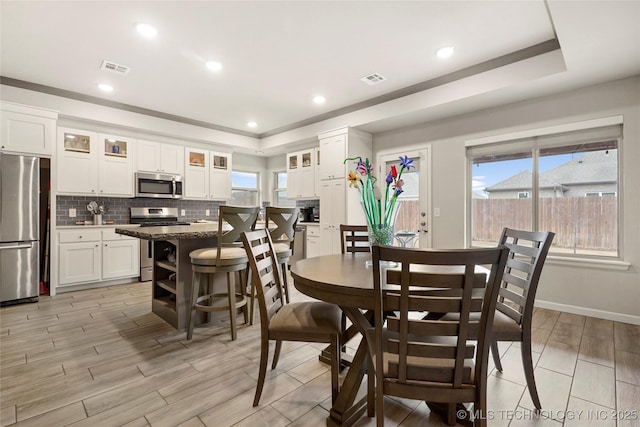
282 235
228 257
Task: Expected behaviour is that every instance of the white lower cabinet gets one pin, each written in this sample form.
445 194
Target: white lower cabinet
313 241
93 255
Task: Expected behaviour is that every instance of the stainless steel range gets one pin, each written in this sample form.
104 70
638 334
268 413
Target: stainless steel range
152 217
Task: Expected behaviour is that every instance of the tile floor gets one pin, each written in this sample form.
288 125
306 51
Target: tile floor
101 358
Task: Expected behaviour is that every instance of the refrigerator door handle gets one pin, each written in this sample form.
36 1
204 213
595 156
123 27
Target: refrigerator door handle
15 246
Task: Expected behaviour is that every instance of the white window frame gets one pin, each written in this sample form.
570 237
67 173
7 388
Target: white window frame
608 262
248 189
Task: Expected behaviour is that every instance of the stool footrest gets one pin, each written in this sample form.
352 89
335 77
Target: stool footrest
241 301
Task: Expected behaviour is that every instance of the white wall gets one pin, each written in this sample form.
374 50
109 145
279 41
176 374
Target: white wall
586 288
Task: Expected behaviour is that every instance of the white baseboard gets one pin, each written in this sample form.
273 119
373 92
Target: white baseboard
93 285
600 314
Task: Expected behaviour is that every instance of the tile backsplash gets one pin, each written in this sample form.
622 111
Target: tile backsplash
117 209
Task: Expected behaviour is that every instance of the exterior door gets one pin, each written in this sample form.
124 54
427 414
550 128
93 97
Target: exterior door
413 224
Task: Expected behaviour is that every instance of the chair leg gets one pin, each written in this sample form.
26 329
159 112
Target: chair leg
231 291
276 354
243 291
371 388
285 283
379 401
451 414
195 287
496 355
527 362
264 356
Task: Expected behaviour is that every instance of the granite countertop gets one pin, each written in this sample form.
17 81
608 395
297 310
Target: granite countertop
173 232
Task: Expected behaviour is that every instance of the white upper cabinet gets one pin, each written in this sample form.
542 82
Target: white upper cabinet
207 175
333 150
160 157
220 176
27 130
196 174
301 174
94 164
115 165
77 162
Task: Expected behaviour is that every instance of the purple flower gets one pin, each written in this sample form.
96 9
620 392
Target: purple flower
406 162
389 179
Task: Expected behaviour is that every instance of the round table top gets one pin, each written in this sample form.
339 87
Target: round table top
339 279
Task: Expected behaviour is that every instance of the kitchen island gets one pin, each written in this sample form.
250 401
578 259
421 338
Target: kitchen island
172 278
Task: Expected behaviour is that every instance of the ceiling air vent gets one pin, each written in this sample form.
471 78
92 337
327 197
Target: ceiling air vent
114 68
373 79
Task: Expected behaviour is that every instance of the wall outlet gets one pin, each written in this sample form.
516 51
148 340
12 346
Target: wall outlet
207 212
183 212
72 212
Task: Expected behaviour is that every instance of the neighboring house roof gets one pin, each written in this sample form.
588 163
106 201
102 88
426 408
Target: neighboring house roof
521 181
479 195
592 167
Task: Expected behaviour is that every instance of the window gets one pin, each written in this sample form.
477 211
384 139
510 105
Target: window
244 188
563 182
280 190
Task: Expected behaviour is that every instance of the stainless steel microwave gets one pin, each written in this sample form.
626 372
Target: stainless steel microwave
158 185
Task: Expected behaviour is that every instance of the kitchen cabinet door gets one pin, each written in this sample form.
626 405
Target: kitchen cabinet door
332 214
27 130
333 151
77 162
301 174
120 258
148 156
220 176
79 263
172 159
196 174
115 168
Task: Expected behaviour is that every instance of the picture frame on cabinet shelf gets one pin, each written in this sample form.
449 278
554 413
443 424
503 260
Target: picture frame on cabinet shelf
78 143
196 159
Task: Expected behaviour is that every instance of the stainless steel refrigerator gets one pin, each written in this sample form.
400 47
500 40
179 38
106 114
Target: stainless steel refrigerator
19 235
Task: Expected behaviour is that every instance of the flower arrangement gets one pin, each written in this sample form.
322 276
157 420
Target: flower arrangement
380 210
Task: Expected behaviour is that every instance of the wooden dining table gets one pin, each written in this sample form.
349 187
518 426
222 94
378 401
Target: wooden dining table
347 281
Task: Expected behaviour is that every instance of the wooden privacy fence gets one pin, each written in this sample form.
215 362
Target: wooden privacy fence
579 222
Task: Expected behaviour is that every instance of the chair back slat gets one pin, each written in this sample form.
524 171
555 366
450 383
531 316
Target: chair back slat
281 223
435 353
354 238
527 253
266 274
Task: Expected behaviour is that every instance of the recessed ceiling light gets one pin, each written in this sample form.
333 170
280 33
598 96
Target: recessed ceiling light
252 124
214 65
146 30
319 99
105 87
445 52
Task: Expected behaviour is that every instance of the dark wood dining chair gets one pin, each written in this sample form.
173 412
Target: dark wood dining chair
309 321
527 253
441 362
228 257
354 238
282 236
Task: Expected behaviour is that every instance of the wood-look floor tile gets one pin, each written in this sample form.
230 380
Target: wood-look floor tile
502 395
597 350
574 319
266 417
421 416
567 333
124 357
545 319
57 417
126 412
301 400
77 392
27 391
627 337
141 422
218 393
553 390
559 357
32 374
7 415
308 370
512 368
583 413
628 408
130 391
598 328
628 367
594 383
